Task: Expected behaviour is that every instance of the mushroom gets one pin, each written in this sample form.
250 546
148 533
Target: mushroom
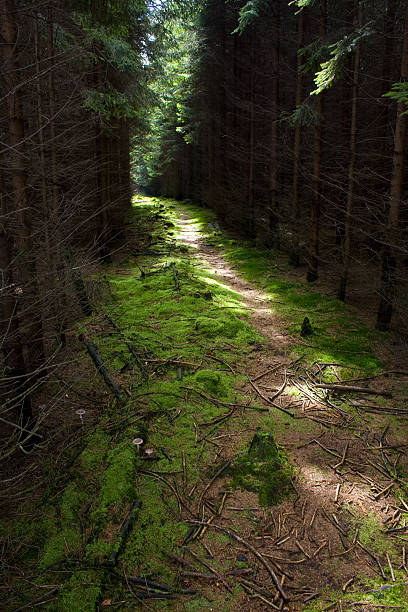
149 452
138 442
81 413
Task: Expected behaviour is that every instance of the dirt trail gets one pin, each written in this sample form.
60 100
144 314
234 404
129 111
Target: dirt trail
263 317
330 535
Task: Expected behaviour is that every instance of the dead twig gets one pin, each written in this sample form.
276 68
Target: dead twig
350 389
343 458
208 566
227 404
270 371
267 399
213 479
280 390
253 550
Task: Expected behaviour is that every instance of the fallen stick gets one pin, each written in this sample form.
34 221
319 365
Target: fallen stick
208 566
254 595
373 605
240 572
380 375
39 600
349 389
268 400
100 366
130 347
152 596
172 266
342 459
199 575
280 390
170 361
228 404
256 588
210 356
270 371
123 534
213 479
181 561
149 584
253 550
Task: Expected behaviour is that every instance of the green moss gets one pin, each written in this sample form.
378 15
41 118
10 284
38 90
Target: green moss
92 457
264 469
372 591
204 318
117 485
157 532
60 546
214 383
72 500
81 593
371 533
98 551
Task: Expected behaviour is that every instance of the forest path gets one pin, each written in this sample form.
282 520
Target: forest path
263 318
332 535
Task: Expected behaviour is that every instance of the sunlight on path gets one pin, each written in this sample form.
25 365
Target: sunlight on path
265 319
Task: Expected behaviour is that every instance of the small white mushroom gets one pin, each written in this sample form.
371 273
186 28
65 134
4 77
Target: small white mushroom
138 442
81 413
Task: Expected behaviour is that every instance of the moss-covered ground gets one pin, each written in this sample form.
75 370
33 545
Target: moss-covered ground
175 339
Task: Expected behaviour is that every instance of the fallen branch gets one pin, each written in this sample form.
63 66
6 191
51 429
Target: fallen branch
130 347
213 479
270 371
373 605
253 550
228 404
100 366
212 570
350 389
268 400
170 361
280 390
176 280
39 600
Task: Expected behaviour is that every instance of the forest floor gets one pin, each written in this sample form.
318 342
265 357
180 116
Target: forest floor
261 489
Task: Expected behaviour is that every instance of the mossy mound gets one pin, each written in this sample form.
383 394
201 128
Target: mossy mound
265 470
214 383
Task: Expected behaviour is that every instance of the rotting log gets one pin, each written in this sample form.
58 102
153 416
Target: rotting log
100 366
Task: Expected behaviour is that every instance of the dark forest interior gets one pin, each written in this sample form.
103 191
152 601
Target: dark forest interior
204 305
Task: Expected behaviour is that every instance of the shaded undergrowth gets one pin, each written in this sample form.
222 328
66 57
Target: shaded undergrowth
170 339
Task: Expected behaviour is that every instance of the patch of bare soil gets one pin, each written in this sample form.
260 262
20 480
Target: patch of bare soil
346 474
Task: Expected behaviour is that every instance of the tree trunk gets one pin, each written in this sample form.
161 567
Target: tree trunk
313 268
348 226
294 226
391 250
256 216
275 108
28 353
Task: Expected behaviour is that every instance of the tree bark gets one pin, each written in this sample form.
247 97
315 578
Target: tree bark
348 226
313 268
275 108
294 255
391 251
28 353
